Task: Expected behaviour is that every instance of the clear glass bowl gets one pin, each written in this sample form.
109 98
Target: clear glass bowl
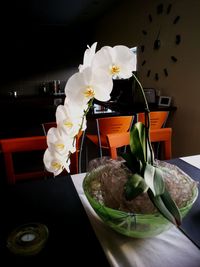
129 223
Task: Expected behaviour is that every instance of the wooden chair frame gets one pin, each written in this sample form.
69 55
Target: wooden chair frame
109 125
22 144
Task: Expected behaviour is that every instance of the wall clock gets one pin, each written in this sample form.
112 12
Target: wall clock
160 37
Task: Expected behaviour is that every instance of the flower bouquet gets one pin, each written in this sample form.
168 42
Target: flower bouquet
135 196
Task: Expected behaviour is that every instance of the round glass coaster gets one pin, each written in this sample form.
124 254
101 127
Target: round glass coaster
28 239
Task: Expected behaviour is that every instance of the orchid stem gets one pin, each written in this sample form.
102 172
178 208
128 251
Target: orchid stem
84 115
147 111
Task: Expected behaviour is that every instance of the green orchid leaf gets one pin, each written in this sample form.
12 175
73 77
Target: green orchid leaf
150 154
149 177
159 184
139 145
142 134
154 179
166 207
131 162
158 203
137 141
135 186
171 206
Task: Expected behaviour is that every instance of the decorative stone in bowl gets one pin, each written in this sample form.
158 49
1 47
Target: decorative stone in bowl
104 188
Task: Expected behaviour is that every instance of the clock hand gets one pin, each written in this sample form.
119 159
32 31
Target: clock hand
157 42
158 35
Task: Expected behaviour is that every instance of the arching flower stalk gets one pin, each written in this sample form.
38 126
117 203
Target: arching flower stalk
93 80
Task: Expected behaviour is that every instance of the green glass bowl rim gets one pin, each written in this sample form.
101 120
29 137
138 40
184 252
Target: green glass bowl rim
189 204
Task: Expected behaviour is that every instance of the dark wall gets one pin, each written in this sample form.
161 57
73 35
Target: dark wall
37 48
31 44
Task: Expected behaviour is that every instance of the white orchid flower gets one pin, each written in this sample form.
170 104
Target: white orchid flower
69 119
118 61
88 57
77 111
60 142
55 163
88 84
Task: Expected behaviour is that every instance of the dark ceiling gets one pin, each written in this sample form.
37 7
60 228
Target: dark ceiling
54 12
62 12
37 35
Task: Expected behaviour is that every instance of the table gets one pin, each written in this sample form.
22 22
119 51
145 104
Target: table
55 203
191 223
171 248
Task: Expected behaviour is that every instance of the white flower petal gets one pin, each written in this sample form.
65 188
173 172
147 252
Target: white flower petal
103 60
60 142
88 57
53 162
75 85
69 121
103 85
118 61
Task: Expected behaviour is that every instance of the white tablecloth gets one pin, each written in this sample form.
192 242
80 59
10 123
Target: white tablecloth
170 249
193 160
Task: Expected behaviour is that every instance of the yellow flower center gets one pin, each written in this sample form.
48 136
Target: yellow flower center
68 124
89 92
114 70
56 165
60 146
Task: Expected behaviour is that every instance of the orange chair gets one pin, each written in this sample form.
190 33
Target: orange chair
23 144
76 156
163 135
108 125
117 140
157 119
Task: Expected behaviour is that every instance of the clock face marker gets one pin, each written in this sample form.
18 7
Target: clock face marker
160 9
174 59
176 19
142 48
148 73
156 76
144 32
156 44
144 62
178 39
150 18
169 8
165 72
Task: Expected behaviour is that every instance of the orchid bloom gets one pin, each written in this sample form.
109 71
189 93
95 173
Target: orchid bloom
85 85
69 121
93 80
77 112
57 156
88 57
60 142
117 61
55 163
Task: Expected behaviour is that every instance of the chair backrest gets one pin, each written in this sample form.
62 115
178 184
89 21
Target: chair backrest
117 140
157 119
116 124
74 166
22 144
